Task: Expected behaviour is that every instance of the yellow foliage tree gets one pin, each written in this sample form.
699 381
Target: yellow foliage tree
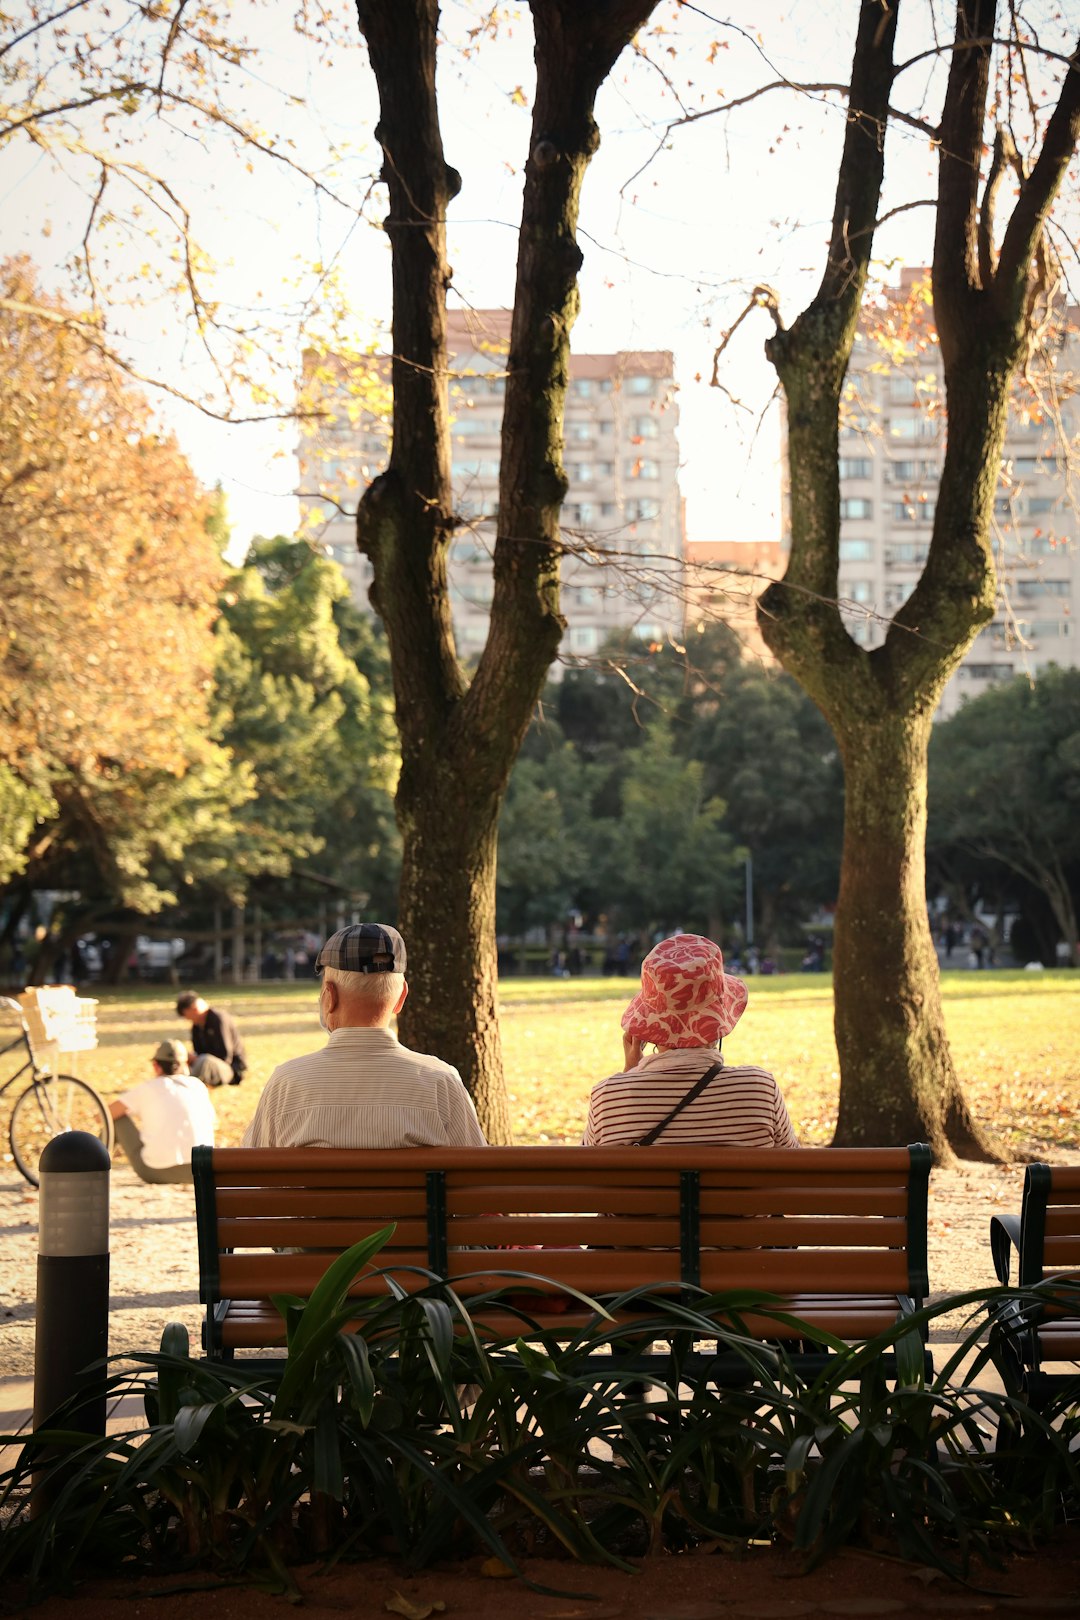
110 573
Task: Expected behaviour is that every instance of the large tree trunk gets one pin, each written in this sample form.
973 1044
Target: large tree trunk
459 740
900 1085
897 1077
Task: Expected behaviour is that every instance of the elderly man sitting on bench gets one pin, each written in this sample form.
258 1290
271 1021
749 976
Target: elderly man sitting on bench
363 1089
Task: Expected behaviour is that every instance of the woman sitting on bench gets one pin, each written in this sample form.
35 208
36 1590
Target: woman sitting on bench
683 1091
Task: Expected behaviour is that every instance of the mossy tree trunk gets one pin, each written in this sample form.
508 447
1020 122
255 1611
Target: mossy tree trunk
459 739
897 1078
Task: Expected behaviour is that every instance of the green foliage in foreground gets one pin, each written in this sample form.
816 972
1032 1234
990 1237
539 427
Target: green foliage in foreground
414 1437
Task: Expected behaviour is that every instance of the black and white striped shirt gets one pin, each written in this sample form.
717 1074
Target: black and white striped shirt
740 1107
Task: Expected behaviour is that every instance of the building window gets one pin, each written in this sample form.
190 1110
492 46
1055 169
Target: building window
580 431
912 472
583 387
856 467
644 427
855 506
855 550
913 511
1027 588
1038 504
641 467
859 590
639 385
912 427
987 672
584 638
475 469
642 511
908 552
475 426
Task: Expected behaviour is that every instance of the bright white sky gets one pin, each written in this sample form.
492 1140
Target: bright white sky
670 256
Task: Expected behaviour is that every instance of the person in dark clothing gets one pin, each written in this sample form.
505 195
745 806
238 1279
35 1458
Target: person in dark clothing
220 1059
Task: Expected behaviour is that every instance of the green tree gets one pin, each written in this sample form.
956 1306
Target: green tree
548 836
769 753
1005 787
670 863
293 704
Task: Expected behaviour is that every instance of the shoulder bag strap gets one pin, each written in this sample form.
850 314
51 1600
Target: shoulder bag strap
684 1102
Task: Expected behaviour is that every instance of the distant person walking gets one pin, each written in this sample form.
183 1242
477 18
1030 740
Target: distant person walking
220 1059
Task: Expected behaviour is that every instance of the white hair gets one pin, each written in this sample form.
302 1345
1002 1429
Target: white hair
379 991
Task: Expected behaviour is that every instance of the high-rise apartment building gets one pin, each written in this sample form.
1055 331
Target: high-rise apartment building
892 445
623 516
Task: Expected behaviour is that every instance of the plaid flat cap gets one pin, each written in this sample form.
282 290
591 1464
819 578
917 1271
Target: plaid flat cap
363 948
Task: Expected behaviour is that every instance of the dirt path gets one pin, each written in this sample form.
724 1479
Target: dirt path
155 1271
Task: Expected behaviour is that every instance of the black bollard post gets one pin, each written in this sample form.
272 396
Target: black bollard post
72 1328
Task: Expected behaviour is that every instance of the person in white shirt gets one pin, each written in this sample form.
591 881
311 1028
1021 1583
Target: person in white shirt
159 1122
363 1089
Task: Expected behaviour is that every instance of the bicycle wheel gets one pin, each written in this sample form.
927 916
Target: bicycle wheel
47 1109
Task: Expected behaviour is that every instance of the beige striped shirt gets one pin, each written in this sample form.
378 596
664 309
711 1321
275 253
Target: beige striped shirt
740 1107
364 1090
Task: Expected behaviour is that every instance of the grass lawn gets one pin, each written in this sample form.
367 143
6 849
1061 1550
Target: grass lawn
1015 1039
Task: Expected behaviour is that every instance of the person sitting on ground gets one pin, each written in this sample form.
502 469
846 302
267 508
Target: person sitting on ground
683 1092
220 1059
159 1122
363 1089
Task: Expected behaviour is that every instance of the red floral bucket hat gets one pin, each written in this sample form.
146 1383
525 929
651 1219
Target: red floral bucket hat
686 998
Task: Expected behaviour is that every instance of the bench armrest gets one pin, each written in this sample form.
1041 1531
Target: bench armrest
1004 1237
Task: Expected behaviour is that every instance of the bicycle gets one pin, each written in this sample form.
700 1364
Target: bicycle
51 1104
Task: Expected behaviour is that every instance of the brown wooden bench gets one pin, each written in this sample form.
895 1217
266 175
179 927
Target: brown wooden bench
1046 1237
838 1234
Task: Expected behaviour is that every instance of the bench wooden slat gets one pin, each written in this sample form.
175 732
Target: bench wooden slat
807 1164
571 1199
1061 1254
824 1200
492 1231
286 1231
346 1203
564 1231
826 1272
784 1230
258 1276
253 1326
254 1275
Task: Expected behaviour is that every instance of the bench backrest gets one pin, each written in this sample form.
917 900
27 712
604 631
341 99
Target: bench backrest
824 1221
1050 1223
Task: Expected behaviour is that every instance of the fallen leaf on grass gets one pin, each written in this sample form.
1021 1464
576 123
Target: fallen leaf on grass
397 1604
496 1570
